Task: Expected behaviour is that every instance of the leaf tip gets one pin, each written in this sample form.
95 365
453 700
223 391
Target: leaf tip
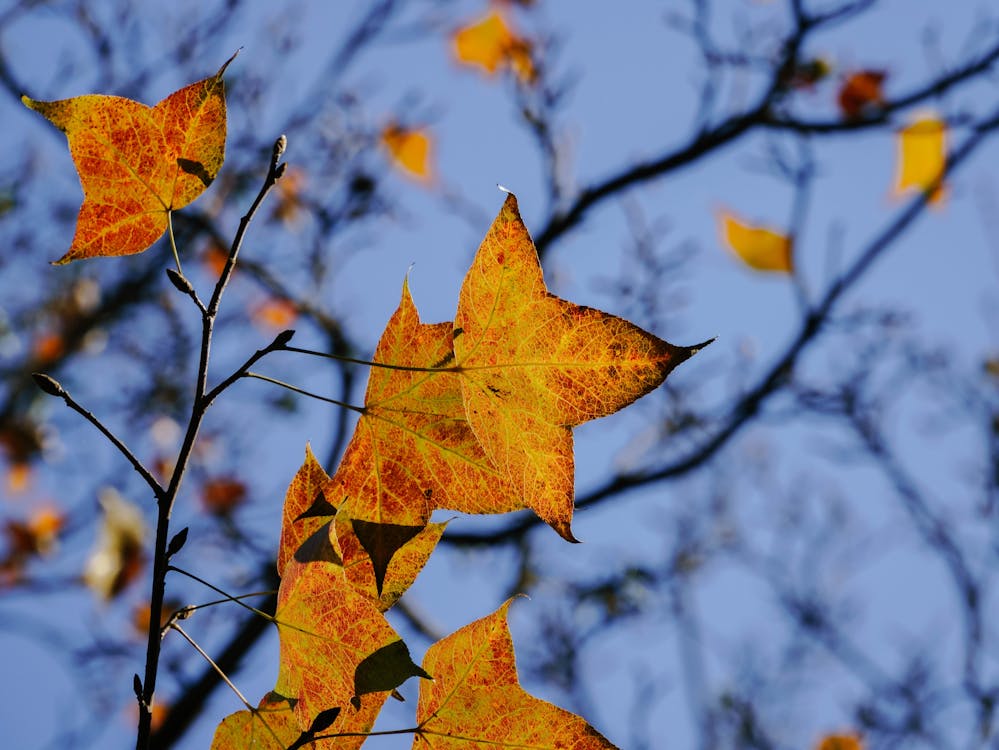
226 63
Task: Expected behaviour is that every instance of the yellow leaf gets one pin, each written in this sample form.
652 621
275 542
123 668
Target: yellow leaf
492 45
409 149
117 557
759 247
533 366
922 156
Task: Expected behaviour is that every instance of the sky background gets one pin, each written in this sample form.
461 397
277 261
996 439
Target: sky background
633 95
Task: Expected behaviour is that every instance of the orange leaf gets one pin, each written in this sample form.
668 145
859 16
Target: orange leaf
922 156
274 726
413 450
840 742
409 149
222 495
137 163
276 314
396 571
492 45
306 508
861 92
475 699
762 248
336 646
533 366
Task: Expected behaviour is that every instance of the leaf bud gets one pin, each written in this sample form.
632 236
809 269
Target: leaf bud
179 281
48 384
279 146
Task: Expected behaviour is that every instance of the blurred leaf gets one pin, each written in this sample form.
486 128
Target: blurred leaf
275 314
840 742
761 248
409 150
492 45
861 93
117 557
922 156
136 163
222 495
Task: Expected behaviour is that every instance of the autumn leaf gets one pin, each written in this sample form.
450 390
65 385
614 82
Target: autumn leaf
33 537
475 699
840 742
533 366
383 576
117 557
492 45
412 449
138 163
306 509
922 156
861 93
220 496
759 247
272 726
275 314
334 642
409 149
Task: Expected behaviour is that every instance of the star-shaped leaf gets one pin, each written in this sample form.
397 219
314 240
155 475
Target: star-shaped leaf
137 163
328 629
475 699
533 366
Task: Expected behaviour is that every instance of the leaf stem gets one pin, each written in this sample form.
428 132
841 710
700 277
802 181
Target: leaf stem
173 241
223 675
369 363
228 597
310 394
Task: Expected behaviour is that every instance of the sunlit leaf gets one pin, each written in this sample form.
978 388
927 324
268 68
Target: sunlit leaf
492 45
759 247
395 571
306 508
409 150
861 93
327 630
533 366
475 699
137 163
413 450
922 156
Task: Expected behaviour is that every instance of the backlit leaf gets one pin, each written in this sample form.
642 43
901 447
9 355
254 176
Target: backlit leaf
306 508
409 149
475 699
327 629
922 156
404 564
492 45
413 450
759 247
533 366
136 163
